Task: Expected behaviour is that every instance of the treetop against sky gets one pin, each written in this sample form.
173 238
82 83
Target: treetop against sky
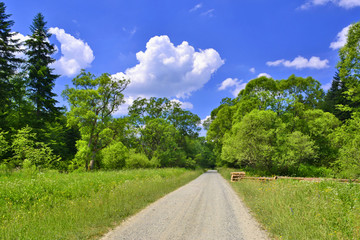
194 52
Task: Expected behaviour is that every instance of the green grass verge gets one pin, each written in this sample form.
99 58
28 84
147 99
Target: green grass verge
79 205
291 209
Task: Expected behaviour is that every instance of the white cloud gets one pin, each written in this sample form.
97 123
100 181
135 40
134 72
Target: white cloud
301 62
165 70
22 40
252 70
184 105
264 75
341 38
326 86
234 84
206 118
196 7
341 3
275 63
76 54
209 13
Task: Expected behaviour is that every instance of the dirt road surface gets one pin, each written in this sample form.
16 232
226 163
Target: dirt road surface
206 208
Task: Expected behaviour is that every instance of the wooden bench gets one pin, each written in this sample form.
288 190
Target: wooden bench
236 176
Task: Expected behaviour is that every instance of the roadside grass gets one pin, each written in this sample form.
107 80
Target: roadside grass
52 205
291 209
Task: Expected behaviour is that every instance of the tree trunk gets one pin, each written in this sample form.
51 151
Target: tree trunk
92 162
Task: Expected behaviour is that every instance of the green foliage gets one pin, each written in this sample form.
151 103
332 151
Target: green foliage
27 150
219 126
319 125
4 145
275 127
252 141
138 160
349 64
40 74
92 101
346 139
336 97
144 110
114 156
9 47
293 149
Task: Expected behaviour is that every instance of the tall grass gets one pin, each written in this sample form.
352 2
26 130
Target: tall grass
303 210
79 205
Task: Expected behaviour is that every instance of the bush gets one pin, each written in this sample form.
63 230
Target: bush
138 160
312 171
4 146
26 147
114 156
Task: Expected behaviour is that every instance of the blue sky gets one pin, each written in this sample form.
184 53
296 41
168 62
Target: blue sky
196 52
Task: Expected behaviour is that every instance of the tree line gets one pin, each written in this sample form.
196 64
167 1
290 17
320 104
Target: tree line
290 126
35 133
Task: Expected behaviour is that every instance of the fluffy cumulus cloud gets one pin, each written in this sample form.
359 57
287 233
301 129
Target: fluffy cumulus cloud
233 84
301 62
264 75
341 38
252 70
166 70
341 3
75 53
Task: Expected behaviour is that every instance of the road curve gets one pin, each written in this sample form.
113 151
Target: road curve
206 208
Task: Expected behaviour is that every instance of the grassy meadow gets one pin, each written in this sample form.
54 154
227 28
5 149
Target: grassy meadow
291 209
84 205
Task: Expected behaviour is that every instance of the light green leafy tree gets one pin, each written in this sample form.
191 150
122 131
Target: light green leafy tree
114 156
292 150
252 141
347 140
319 125
160 139
92 101
349 64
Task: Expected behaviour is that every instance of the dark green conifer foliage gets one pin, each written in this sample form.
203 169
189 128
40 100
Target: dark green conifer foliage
8 62
335 96
41 77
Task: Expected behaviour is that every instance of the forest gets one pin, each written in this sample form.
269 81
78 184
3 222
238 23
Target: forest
291 126
285 127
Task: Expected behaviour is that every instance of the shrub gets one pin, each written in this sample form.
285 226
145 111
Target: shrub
137 160
26 147
114 156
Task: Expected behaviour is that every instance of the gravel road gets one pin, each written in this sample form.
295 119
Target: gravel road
206 208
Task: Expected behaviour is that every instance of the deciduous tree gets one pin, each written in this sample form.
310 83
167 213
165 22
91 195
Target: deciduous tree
92 101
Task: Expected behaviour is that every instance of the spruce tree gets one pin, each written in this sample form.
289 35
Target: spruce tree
8 63
336 96
41 77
